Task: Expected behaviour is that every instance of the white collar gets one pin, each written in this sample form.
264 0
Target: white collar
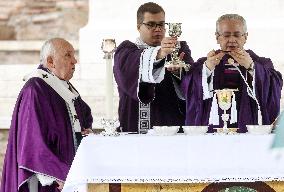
141 44
60 86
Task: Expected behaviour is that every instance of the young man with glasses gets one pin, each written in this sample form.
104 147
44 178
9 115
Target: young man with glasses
223 69
149 94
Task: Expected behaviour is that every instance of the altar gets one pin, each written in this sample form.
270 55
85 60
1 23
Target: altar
174 163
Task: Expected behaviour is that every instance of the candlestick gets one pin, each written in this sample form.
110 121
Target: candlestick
108 47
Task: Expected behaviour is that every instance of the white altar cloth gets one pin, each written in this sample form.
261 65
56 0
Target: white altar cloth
174 159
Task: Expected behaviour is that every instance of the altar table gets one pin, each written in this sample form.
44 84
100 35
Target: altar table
180 160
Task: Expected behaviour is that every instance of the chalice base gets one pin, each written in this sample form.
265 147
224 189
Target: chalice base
178 63
230 131
110 127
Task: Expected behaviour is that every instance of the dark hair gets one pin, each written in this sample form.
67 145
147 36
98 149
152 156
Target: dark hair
150 7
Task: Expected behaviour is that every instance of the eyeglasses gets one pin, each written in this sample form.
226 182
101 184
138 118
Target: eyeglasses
228 35
154 25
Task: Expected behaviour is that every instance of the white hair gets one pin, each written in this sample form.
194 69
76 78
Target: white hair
48 49
231 17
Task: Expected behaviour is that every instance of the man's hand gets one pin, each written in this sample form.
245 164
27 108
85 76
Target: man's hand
60 185
86 132
242 58
168 45
213 59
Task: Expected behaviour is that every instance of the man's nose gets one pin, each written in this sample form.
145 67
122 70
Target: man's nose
158 28
232 38
74 60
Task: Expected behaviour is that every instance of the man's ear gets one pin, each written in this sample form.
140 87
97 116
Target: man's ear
246 35
50 63
217 35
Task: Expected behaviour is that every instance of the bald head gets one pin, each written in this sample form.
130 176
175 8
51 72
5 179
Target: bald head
57 55
49 48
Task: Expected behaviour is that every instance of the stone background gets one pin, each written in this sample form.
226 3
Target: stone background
29 20
42 19
3 143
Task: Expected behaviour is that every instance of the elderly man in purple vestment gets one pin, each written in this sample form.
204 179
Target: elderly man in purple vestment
149 95
48 120
245 70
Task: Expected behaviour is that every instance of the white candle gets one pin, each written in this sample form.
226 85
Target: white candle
108 47
109 89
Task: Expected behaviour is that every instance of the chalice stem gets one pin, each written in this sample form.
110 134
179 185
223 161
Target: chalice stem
225 119
225 125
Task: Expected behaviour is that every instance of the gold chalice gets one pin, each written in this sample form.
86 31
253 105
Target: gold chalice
224 97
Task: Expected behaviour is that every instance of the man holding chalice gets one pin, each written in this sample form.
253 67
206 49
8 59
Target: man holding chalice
149 94
255 84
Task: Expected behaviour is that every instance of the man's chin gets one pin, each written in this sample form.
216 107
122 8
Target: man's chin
156 42
71 75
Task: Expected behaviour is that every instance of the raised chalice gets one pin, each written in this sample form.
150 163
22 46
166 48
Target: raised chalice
175 31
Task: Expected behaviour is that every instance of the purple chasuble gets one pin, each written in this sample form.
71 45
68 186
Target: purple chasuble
165 106
268 84
40 137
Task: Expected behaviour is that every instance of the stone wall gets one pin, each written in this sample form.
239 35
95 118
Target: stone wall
39 20
42 19
3 143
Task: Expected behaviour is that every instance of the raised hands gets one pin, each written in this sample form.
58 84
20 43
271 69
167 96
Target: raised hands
239 55
168 45
242 58
213 59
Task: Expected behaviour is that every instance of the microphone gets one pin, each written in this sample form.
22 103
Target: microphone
250 91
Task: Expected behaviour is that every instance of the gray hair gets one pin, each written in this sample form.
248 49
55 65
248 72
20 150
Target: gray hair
48 49
231 17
